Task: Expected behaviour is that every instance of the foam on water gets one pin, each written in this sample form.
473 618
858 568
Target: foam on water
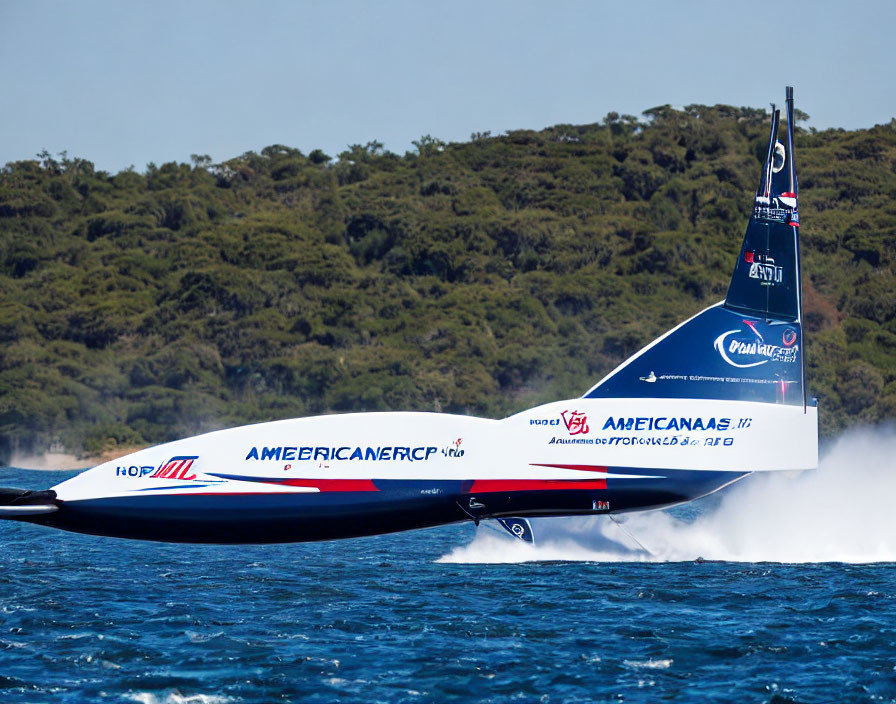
841 512
176 697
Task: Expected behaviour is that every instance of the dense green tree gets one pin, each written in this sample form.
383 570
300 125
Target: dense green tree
480 277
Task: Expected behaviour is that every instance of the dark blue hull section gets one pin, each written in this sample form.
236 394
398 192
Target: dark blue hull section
394 505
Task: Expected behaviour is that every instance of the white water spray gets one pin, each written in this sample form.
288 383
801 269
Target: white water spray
845 511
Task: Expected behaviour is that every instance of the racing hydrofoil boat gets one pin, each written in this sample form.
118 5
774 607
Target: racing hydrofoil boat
716 398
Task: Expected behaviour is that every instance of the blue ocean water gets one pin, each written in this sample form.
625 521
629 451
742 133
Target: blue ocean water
454 614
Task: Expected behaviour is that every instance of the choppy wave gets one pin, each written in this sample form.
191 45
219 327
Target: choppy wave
85 618
176 697
841 512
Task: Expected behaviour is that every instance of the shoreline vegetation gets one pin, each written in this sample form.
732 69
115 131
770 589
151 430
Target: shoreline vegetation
481 277
58 461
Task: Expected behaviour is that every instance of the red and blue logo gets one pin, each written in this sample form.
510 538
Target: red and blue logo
176 468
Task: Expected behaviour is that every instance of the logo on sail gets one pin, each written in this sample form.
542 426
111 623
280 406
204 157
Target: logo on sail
747 348
763 268
780 158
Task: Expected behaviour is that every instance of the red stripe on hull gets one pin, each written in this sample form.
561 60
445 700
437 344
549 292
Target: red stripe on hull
321 484
491 485
582 467
333 484
233 493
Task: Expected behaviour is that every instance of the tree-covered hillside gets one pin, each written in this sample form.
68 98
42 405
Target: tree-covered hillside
481 277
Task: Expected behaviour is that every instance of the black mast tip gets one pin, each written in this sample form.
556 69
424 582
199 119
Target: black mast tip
789 90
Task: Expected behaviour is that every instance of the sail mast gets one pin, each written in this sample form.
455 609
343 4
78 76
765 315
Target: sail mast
791 169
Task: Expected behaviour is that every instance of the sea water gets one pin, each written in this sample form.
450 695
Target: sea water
778 589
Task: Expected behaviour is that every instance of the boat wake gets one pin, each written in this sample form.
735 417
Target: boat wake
841 512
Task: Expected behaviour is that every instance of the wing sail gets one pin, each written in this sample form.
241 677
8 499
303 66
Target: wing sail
766 279
750 346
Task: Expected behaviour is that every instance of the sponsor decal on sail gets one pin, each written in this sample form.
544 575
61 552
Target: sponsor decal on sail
748 348
782 208
763 268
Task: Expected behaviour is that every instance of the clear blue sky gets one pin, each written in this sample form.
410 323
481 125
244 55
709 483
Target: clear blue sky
129 82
